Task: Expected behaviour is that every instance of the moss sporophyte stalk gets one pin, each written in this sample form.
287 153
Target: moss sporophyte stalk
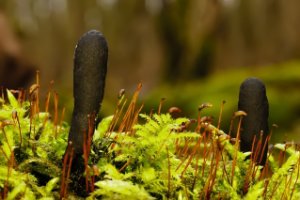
135 155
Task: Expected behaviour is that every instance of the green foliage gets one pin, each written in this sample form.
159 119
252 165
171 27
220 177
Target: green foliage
118 189
149 156
30 158
159 157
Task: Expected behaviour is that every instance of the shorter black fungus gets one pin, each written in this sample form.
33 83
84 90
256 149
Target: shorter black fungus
253 100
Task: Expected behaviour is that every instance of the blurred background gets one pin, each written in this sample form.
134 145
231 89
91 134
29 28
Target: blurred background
188 52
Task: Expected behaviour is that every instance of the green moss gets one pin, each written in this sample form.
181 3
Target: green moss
155 157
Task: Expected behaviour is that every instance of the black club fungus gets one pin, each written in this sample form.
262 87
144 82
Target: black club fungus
90 66
253 100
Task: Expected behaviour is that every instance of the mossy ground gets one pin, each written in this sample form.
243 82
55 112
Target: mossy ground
137 156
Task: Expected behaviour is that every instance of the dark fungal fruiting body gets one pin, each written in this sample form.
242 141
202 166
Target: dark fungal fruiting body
90 66
253 100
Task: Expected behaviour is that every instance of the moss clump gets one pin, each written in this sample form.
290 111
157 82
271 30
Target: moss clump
137 156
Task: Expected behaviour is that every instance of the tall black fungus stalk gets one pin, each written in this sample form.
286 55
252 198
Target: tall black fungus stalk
253 100
90 66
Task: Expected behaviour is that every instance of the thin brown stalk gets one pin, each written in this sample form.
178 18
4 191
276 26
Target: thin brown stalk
231 126
91 129
119 110
204 153
55 121
48 96
15 117
169 174
85 162
21 96
212 171
236 146
250 168
287 185
257 153
274 190
224 166
192 156
69 171
3 153
221 113
67 164
124 166
135 118
30 119
258 147
181 163
198 122
151 113
162 100
87 148
92 183
127 119
297 177
207 187
185 148
63 177
10 165
118 115
196 171
37 92
264 147
265 172
177 147
214 174
86 157
252 149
